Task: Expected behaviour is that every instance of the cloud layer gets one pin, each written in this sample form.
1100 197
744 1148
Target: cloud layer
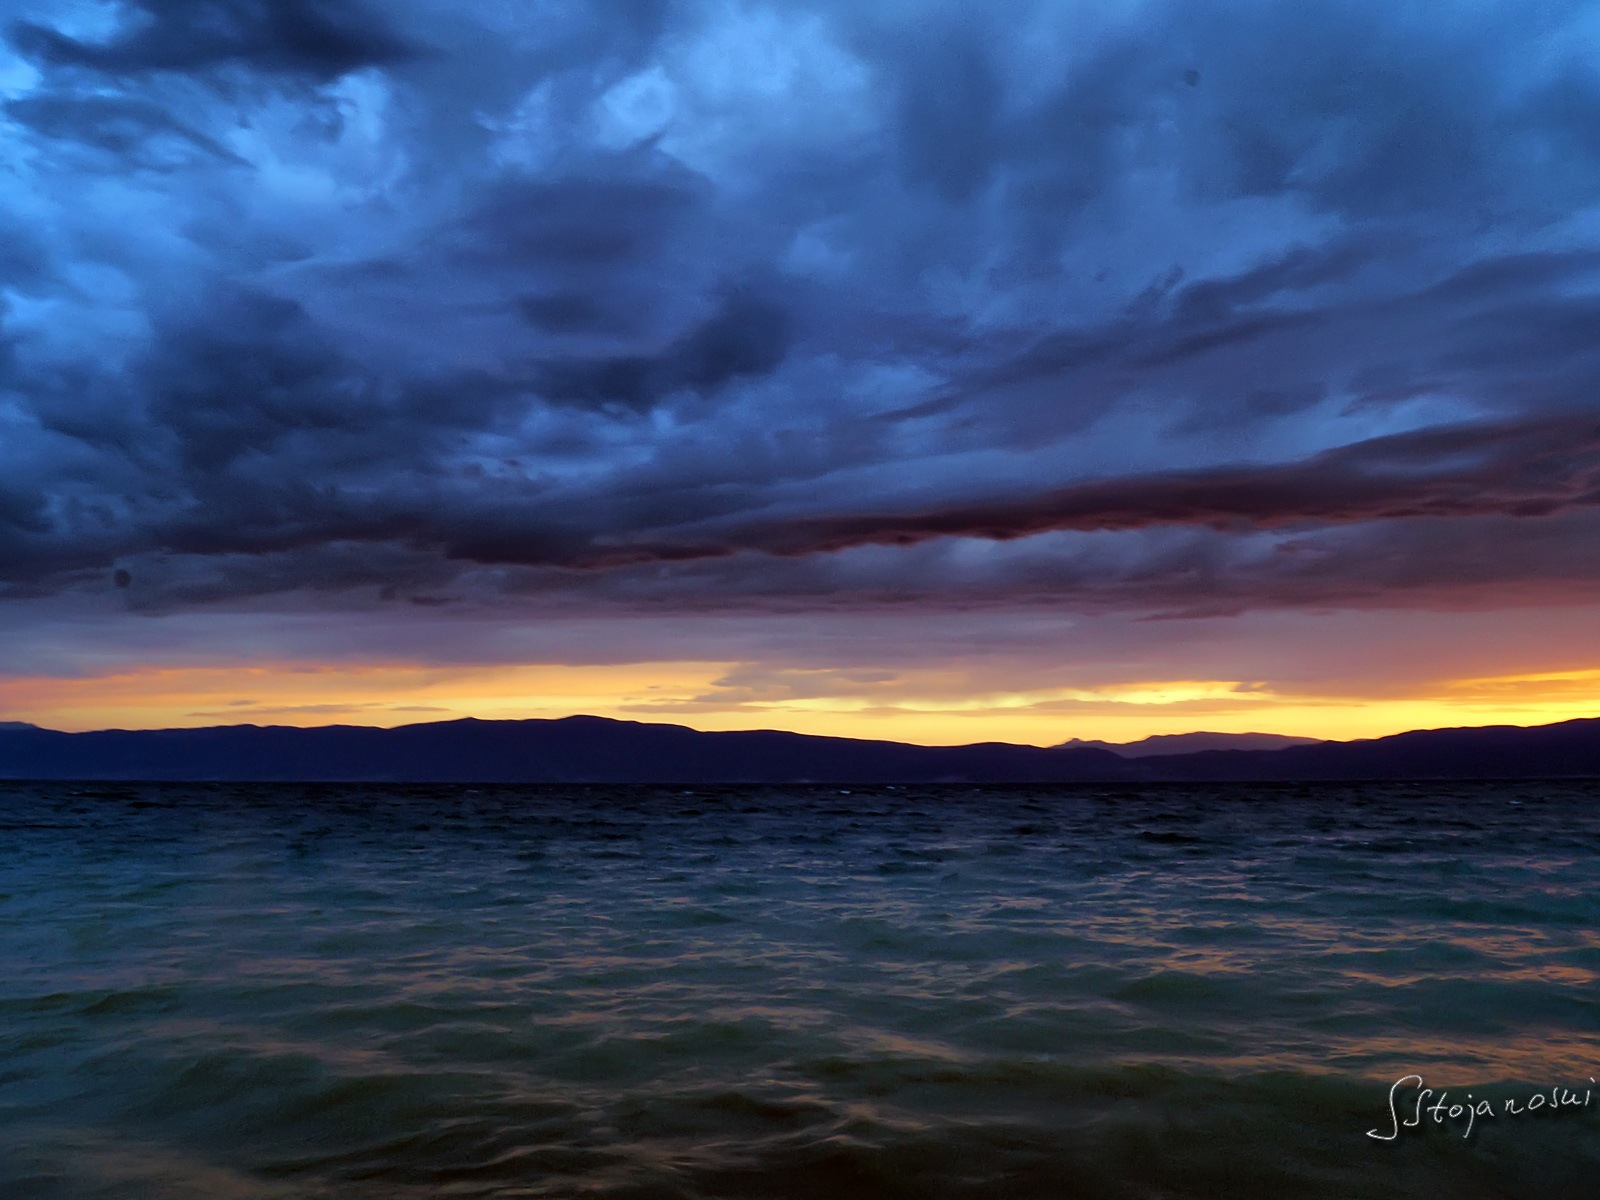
1155 308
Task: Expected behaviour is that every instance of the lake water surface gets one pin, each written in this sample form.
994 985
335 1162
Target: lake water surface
351 992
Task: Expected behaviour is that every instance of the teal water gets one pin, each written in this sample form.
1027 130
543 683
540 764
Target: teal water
346 992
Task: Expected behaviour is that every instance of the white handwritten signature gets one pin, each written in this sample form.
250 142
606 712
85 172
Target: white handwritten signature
1443 1109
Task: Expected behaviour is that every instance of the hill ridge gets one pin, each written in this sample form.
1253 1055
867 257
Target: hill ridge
588 749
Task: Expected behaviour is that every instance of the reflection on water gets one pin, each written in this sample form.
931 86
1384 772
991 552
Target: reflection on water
268 991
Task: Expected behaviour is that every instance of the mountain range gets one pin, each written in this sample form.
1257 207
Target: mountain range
600 750
1190 743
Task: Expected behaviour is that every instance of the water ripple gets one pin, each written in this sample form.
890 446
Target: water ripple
291 993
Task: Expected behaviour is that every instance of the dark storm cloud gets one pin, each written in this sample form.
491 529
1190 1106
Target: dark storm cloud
1533 470
124 128
579 222
747 337
949 112
566 312
1525 471
697 304
317 38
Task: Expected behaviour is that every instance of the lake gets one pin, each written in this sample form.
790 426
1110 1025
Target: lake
352 991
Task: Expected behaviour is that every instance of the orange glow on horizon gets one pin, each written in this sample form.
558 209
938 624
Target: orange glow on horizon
932 707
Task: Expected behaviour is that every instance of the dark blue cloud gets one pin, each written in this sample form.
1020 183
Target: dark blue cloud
745 337
702 304
321 39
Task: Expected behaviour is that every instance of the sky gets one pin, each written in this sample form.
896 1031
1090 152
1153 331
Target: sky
935 371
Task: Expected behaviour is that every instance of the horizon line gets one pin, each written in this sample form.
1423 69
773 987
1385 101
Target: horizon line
13 726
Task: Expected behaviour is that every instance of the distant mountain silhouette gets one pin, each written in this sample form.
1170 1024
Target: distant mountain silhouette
1192 743
595 749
